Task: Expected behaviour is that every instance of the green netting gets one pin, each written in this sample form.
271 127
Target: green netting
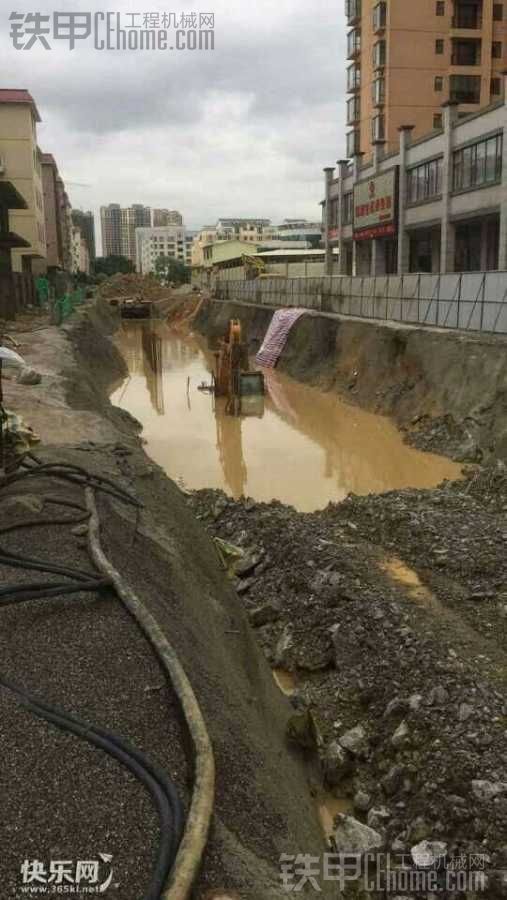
66 305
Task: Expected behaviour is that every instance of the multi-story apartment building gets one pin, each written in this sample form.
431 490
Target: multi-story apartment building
110 225
20 165
133 217
170 240
241 229
52 210
80 253
85 221
406 58
162 217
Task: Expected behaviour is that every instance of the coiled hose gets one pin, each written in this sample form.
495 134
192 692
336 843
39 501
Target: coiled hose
170 882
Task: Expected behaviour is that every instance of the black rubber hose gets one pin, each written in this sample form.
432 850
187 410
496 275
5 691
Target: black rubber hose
17 561
72 473
54 501
10 594
163 792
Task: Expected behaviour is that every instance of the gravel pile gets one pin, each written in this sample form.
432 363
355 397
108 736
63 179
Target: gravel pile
391 612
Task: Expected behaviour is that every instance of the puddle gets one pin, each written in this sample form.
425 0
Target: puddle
328 808
403 574
286 681
307 449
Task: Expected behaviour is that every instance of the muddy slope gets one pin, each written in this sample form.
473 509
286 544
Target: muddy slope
448 390
264 806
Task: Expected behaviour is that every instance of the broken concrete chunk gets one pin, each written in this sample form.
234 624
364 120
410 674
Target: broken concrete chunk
355 741
29 376
336 763
428 853
401 736
488 790
353 837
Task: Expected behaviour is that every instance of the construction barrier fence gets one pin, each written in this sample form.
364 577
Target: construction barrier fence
475 301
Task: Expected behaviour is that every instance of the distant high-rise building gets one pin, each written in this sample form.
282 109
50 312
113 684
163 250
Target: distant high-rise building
163 217
406 58
110 223
86 223
135 216
166 240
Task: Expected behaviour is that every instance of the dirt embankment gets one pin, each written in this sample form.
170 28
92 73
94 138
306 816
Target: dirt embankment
263 806
447 390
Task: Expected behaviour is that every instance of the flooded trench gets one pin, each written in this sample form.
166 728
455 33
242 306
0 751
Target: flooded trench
306 449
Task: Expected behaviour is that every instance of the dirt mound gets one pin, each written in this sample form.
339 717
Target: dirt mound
128 285
390 612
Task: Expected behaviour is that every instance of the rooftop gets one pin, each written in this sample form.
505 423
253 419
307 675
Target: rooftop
16 95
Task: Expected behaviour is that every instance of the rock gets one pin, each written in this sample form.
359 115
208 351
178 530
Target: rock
419 830
353 837
284 648
245 585
393 780
397 706
244 566
362 801
414 702
488 790
438 696
427 854
336 764
302 730
264 613
29 376
219 507
250 504
401 736
80 530
379 817
464 712
355 741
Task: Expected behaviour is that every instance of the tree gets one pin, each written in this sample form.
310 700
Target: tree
168 269
112 265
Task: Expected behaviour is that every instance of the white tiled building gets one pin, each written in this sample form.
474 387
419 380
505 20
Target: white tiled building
168 240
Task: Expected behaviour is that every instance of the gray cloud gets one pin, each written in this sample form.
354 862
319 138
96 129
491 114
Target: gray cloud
245 129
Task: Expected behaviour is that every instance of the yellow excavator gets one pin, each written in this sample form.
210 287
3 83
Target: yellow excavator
233 377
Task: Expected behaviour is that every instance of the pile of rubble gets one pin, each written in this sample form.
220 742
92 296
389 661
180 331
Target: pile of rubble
390 611
132 284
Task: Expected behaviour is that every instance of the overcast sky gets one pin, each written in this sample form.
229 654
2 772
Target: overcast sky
244 130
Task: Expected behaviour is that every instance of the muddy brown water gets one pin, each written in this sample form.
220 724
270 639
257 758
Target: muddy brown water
308 447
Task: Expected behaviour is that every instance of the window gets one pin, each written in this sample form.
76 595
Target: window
353 109
379 16
353 142
478 164
424 181
497 12
348 208
379 54
439 83
353 43
439 46
496 50
496 86
353 77
378 91
378 128
465 88
440 8
437 121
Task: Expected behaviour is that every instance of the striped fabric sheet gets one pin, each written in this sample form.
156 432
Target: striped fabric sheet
276 336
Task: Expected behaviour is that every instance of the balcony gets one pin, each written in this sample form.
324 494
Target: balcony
353 78
378 91
353 11
379 54
466 52
467 14
353 43
465 88
379 16
353 142
353 110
